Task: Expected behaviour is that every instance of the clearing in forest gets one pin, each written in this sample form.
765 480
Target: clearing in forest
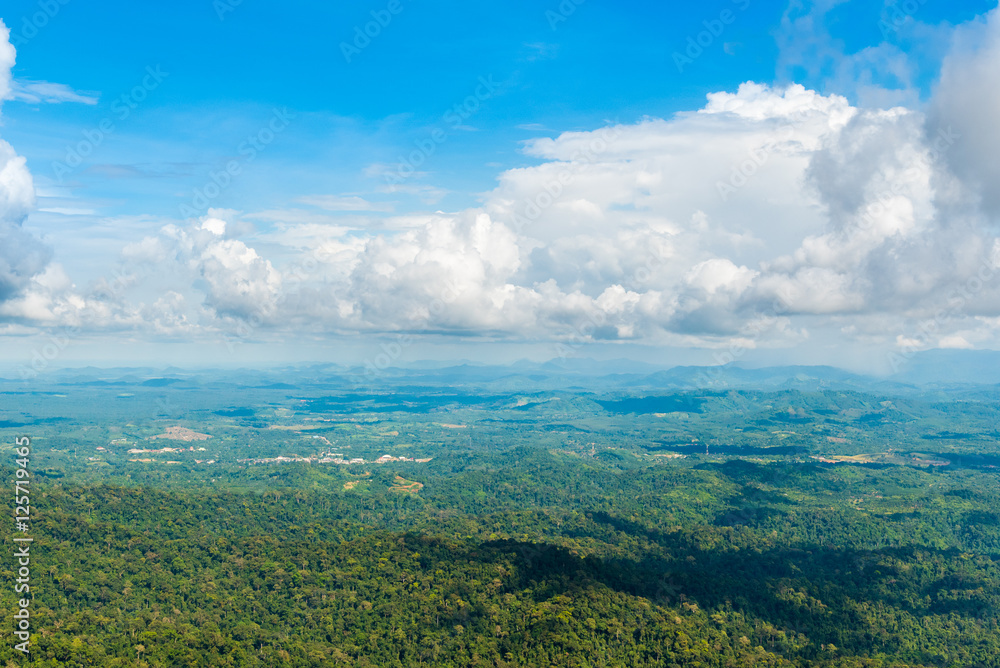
181 434
404 485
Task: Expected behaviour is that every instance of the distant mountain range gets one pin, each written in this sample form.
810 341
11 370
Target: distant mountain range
930 369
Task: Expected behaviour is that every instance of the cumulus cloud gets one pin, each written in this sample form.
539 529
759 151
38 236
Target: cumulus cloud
686 230
966 103
768 212
22 256
233 279
8 55
694 226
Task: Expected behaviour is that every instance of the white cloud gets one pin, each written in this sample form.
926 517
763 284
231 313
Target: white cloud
760 103
955 341
343 203
8 55
216 226
427 194
36 92
68 211
168 316
768 213
719 275
240 282
22 256
966 105
622 233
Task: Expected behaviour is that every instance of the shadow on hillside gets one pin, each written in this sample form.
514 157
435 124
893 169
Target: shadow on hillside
796 590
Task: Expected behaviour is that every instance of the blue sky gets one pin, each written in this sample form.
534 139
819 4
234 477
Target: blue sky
485 97
601 63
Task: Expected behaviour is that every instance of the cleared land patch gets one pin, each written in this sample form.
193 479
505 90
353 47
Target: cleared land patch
181 434
404 485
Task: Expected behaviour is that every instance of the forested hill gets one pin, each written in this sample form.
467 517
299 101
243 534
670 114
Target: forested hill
726 565
275 522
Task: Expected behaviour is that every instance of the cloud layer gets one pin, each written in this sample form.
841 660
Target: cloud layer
22 257
762 219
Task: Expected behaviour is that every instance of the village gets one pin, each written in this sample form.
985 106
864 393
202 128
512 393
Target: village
330 458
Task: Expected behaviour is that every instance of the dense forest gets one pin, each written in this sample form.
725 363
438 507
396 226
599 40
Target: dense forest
570 564
434 526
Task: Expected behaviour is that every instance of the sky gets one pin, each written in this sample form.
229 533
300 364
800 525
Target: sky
240 182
